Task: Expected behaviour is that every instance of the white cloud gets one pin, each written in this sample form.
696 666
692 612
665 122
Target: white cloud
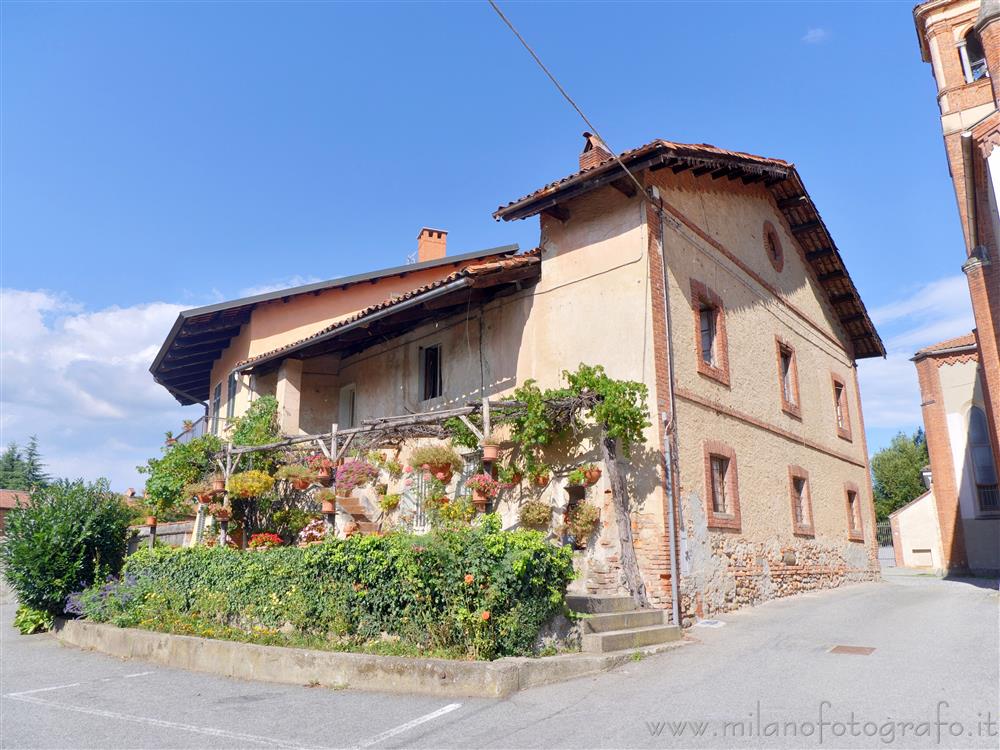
79 380
815 36
928 313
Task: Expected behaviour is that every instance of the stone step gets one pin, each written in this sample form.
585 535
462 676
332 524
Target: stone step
354 507
620 640
599 604
367 527
639 618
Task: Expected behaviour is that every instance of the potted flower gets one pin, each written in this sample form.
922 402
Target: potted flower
582 520
389 503
576 478
299 476
541 476
484 488
170 437
535 514
490 447
323 468
151 520
188 425
220 512
592 473
218 483
247 484
509 476
201 490
264 541
314 531
440 460
381 489
328 498
353 474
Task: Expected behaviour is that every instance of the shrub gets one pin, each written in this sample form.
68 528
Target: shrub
535 514
70 535
29 620
389 502
181 464
430 590
436 455
264 540
576 478
247 484
294 471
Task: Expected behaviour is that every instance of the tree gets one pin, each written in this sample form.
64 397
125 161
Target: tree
12 469
34 469
896 472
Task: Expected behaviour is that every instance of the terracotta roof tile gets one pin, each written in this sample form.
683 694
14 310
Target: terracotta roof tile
968 339
529 258
12 498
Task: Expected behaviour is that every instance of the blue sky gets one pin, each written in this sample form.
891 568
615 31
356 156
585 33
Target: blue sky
157 156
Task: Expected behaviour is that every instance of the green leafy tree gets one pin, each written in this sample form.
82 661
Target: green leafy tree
181 464
70 535
896 472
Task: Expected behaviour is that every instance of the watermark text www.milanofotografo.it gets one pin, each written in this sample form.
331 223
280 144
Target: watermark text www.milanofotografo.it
943 729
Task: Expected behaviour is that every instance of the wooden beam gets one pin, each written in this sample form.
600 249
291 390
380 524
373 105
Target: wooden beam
560 213
210 327
796 201
699 171
749 179
625 186
190 351
806 226
839 299
720 172
852 318
821 252
832 276
186 366
209 338
680 167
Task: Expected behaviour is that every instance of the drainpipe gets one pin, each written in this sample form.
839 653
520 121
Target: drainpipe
969 165
670 458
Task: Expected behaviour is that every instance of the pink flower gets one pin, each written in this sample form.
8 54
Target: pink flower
408 483
407 469
440 475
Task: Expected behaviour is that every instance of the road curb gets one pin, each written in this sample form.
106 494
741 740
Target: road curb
296 666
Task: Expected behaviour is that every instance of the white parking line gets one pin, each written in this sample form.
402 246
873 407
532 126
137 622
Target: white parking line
208 731
42 690
410 725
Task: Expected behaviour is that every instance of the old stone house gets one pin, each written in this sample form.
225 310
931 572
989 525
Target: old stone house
956 525
747 336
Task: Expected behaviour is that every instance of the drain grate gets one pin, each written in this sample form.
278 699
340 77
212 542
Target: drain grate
858 650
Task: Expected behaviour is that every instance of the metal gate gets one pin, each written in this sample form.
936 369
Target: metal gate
886 553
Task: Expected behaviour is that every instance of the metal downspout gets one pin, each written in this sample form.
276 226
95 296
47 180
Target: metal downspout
670 426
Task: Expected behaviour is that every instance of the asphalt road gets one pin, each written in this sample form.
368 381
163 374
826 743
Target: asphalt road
766 678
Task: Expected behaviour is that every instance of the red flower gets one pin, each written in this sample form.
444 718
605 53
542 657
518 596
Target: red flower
469 578
486 615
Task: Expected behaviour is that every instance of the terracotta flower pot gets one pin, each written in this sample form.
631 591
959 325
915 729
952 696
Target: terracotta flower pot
479 500
490 451
329 506
222 514
324 475
151 520
301 483
542 481
219 485
205 499
592 475
442 472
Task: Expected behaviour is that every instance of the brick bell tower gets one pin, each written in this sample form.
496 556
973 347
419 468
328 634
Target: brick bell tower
961 41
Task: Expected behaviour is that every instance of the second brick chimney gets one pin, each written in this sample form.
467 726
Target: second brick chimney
594 152
431 244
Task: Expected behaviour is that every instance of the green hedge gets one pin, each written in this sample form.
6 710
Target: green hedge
482 592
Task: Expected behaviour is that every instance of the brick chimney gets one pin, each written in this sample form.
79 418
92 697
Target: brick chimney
594 152
431 244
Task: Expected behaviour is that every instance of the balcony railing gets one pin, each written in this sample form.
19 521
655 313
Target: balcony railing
989 498
196 430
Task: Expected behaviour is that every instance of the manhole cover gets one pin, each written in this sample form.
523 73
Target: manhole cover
859 650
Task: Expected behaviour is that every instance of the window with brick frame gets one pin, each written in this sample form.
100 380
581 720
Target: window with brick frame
788 378
841 408
722 491
772 247
711 343
801 499
983 470
855 524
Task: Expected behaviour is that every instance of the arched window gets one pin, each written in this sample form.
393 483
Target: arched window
772 247
970 50
983 469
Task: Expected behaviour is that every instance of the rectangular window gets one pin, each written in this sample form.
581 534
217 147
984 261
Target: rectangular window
430 370
708 332
720 465
798 485
348 406
231 385
216 406
840 408
710 343
722 491
788 378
